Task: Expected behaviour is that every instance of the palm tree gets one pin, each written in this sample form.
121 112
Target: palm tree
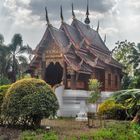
17 57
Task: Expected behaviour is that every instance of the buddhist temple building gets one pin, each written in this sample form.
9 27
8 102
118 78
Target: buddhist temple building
73 54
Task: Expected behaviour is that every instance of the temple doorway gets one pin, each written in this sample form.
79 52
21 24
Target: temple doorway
54 73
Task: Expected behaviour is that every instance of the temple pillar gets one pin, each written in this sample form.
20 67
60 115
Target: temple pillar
73 80
43 66
64 74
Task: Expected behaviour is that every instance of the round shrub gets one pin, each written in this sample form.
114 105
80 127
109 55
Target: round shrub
3 90
27 101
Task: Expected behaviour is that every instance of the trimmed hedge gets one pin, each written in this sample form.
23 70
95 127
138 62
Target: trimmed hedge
27 101
3 90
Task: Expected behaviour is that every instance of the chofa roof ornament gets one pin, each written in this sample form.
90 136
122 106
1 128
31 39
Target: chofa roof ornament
61 14
87 20
47 18
73 14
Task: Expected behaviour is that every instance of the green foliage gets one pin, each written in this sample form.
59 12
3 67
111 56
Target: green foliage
103 134
122 52
128 54
28 135
94 87
4 81
135 57
126 81
124 103
50 136
3 90
112 109
135 82
130 100
113 131
14 61
34 135
27 101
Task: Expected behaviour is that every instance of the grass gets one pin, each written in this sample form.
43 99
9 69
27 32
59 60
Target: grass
69 129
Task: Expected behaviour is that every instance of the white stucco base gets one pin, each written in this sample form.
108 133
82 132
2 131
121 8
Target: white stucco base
73 103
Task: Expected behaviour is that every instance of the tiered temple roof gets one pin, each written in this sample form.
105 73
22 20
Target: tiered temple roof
82 47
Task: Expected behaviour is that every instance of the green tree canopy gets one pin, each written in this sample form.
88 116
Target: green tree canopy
122 52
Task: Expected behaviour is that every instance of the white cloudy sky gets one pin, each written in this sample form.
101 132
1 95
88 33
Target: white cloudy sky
119 19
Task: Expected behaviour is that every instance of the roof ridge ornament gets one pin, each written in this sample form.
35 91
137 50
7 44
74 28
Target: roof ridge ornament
87 20
105 38
47 18
98 26
61 14
73 14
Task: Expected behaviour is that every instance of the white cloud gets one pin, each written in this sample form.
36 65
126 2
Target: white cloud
119 19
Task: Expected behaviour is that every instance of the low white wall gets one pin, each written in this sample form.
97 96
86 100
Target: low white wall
69 101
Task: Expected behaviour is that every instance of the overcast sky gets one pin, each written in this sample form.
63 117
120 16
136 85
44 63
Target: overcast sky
119 19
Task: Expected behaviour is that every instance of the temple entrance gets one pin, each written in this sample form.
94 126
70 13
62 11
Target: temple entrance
54 73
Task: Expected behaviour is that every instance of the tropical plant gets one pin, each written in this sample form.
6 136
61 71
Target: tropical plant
27 101
14 62
130 100
17 59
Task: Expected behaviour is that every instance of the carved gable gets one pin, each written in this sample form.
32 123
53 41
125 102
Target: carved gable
53 54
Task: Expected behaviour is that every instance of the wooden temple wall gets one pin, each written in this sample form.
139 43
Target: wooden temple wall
112 80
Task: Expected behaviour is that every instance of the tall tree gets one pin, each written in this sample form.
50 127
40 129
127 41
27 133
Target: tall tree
4 57
17 57
122 52
135 58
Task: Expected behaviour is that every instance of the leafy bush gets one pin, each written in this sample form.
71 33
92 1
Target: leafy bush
130 100
112 109
3 90
27 101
